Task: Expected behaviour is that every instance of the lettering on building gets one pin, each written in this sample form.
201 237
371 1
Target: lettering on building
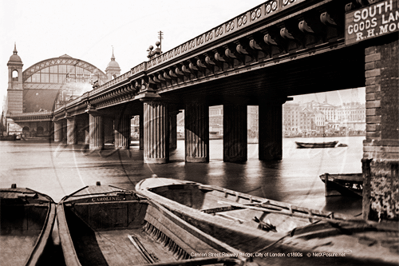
376 20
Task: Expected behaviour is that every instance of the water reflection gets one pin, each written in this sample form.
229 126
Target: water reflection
58 170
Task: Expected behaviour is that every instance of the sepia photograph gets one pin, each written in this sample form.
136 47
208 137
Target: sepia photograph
180 132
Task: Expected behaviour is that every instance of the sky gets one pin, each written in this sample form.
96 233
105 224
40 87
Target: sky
88 29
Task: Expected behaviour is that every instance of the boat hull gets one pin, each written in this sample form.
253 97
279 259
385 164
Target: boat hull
120 227
350 185
230 217
315 145
27 219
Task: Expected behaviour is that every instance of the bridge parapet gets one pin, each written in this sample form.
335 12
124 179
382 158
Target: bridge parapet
196 44
272 33
239 23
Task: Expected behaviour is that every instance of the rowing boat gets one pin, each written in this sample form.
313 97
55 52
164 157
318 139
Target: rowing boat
346 184
106 225
313 145
270 231
27 219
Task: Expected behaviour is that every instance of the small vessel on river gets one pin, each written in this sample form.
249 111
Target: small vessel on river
314 145
106 225
270 231
27 219
346 184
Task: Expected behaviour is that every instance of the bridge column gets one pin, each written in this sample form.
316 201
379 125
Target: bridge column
141 131
96 132
235 140
196 122
122 131
81 125
57 131
156 132
64 130
108 129
270 131
381 146
173 129
71 131
87 134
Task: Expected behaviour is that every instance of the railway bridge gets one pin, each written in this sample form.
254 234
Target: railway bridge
260 57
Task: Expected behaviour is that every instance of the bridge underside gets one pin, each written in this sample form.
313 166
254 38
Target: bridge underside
335 70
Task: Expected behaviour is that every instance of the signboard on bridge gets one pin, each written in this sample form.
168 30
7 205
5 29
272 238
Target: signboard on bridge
370 22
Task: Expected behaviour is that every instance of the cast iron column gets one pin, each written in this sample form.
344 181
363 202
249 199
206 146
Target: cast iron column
96 132
196 122
64 130
173 130
71 131
141 131
235 140
122 131
270 131
57 131
156 132
108 129
84 129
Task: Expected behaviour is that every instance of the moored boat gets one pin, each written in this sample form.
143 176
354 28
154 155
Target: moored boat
270 231
106 225
27 219
345 184
8 137
313 145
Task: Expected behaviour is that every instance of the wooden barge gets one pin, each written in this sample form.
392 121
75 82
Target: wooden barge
27 219
343 184
106 225
270 230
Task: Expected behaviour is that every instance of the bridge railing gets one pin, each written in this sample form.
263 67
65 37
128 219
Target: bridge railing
238 23
254 15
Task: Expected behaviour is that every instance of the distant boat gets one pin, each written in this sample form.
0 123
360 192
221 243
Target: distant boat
312 145
8 137
106 225
27 219
346 184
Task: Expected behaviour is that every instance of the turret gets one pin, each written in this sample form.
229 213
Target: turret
15 84
113 70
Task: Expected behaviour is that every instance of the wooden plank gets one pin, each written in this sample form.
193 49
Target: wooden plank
68 249
119 250
220 209
141 249
43 237
358 177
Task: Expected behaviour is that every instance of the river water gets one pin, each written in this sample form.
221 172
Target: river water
58 170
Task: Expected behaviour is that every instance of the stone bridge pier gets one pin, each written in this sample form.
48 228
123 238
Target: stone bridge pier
381 146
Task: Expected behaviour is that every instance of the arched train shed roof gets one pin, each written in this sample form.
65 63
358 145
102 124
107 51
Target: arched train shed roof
62 60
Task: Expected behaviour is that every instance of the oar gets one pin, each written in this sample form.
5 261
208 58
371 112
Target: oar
310 216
